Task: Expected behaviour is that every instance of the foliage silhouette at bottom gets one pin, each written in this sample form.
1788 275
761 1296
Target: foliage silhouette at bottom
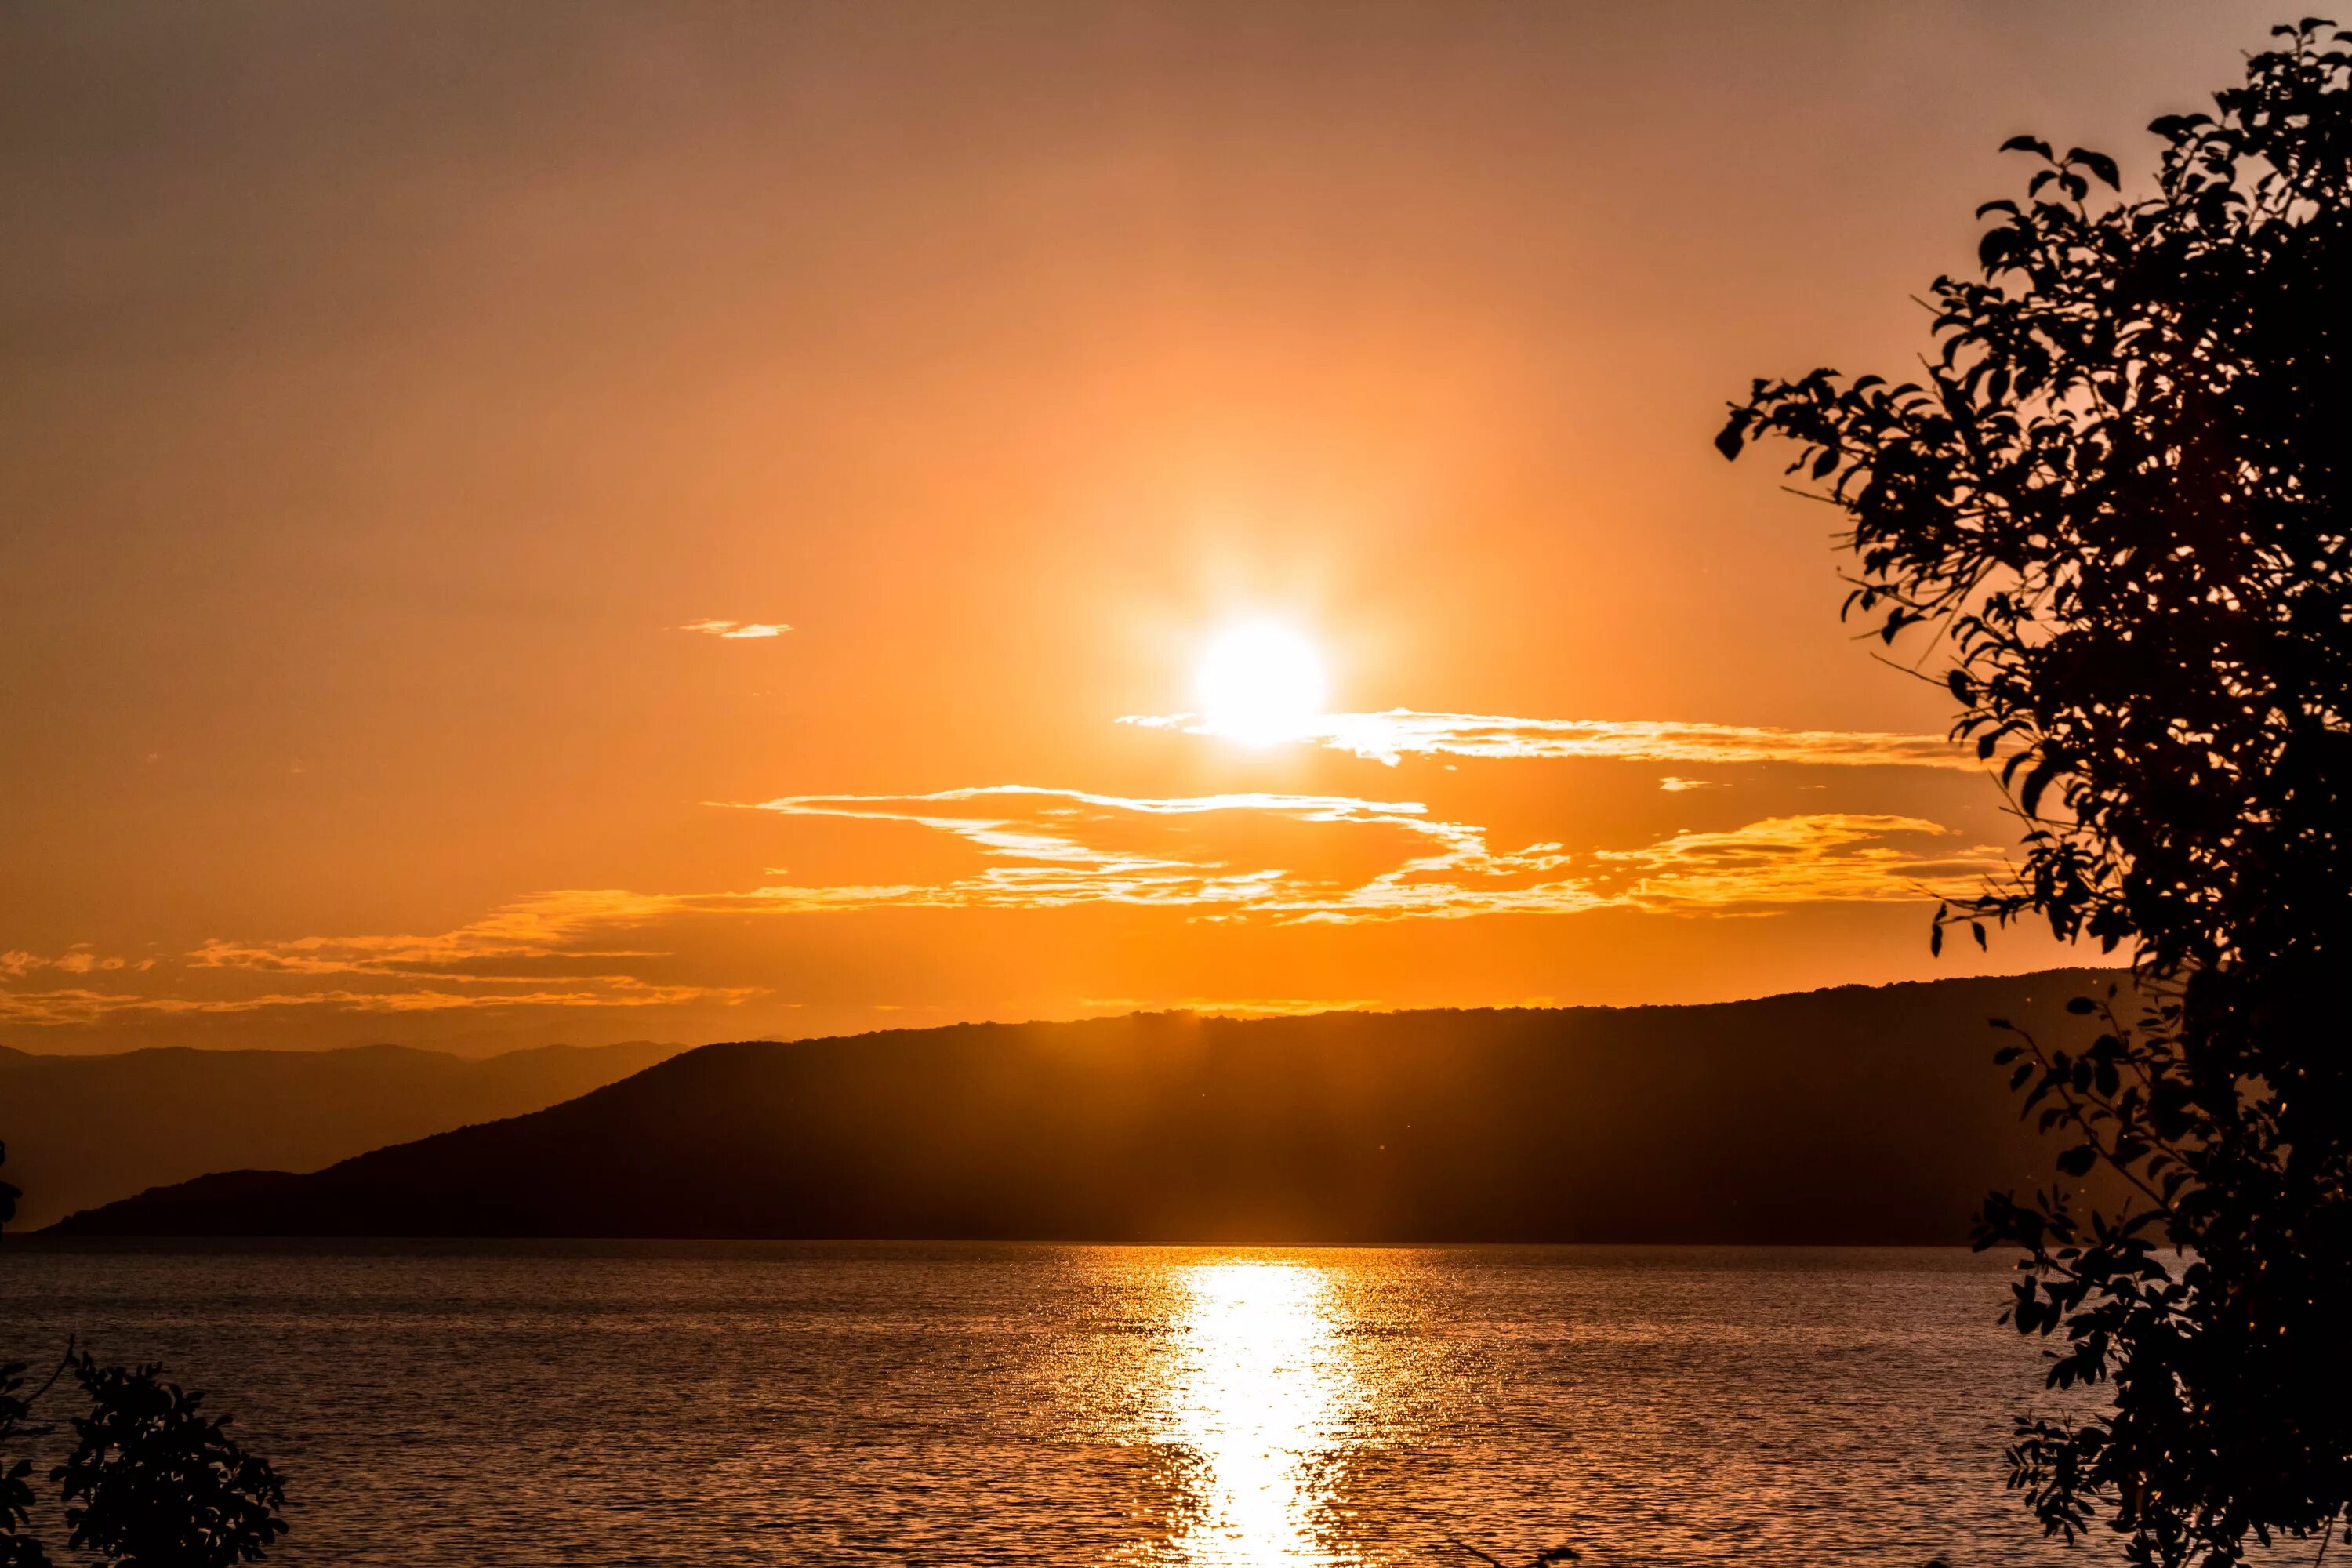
152 1481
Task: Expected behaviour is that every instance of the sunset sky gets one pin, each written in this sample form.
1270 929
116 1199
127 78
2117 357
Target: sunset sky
582 522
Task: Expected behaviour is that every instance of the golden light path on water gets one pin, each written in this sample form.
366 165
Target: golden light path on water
1260 1391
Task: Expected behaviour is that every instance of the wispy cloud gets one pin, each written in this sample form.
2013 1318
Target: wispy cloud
1400 732
514 943
551 950
79 959
736 631
1055 840
1274 858
1061 850
1674 785
1824 858
83 1006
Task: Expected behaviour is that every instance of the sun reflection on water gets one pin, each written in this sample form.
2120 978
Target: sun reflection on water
1263 1390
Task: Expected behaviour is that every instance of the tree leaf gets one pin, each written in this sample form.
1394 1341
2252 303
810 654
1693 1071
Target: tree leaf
1730 439
2099 164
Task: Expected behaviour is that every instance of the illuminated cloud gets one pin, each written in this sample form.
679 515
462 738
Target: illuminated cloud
16 963
1056 842
1278 860
1400 732
539 952
1829 857
1047 833
1674 785
544 927
736 631
69 1008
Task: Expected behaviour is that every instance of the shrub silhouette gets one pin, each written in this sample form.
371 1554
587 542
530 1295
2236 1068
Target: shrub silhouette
153 1482
156 1483
18 1549
2118 500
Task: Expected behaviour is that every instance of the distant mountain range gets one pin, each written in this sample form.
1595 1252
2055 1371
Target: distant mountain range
1850 1115
83 1130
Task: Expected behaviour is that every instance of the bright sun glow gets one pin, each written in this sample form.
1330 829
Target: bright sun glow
1260 683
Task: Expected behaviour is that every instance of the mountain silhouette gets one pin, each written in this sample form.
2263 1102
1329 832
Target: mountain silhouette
82 1130
1787 1119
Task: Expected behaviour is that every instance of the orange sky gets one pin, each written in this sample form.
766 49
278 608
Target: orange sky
396 400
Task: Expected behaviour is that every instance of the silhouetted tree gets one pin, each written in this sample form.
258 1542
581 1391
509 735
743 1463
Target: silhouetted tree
153 1482
2118 496
18 1549
156 1483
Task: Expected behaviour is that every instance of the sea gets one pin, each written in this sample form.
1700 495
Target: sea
721 1403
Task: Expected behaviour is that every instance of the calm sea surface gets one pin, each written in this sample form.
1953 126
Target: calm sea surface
716 1403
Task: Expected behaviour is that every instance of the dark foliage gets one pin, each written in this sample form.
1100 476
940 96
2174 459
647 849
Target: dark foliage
18 1549
152 1481
2117 498
156 1483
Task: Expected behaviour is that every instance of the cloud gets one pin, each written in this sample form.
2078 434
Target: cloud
1674 785
516 943
1280 857
1271 859
551 950
1060 847
1399 732
1830 857
738 631
1046 833
16 963
70 1007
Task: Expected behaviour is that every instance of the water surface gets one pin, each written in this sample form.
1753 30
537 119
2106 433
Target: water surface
751 1403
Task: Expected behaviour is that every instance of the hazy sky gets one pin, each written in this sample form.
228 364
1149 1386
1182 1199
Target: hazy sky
398 404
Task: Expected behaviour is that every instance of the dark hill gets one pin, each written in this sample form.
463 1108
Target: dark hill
82 1130
1849 1115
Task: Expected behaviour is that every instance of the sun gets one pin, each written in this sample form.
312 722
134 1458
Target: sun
1260 683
